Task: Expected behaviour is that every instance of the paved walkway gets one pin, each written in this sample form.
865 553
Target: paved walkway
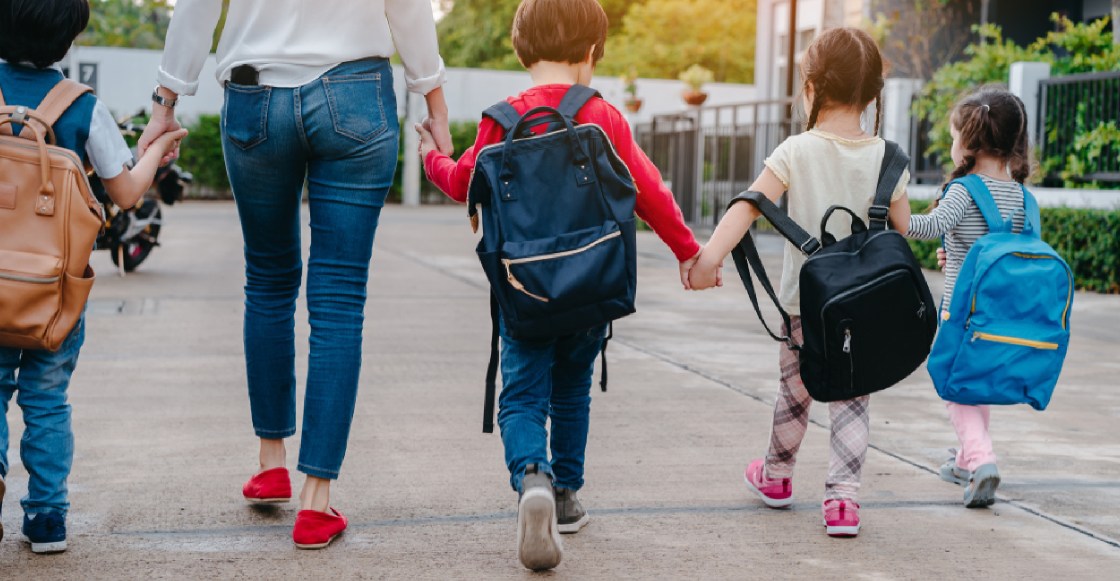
164 441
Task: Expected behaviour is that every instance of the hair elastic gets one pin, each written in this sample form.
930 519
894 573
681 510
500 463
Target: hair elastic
986 108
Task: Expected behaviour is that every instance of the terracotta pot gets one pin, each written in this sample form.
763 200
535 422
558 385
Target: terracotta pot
633 104
694 98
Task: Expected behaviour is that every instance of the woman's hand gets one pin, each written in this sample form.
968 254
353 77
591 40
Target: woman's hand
162 121
427 139
941 258
437 123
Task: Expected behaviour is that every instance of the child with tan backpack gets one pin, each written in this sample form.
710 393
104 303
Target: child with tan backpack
50 129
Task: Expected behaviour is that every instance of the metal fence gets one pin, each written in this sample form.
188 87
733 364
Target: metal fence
924 168
708 155
1070 107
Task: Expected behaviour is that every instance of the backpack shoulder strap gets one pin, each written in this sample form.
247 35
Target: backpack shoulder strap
59 99
1033 219
895 163
53 106
504 114
984 200
574 100
746 258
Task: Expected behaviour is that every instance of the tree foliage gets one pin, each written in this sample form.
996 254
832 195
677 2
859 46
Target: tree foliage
475 33
920 36
657 38
1070 49
661 38
127 23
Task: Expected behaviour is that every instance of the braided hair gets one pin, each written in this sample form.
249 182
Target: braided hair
844 68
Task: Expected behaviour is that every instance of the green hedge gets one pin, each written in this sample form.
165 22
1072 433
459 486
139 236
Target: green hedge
1089 240
202 155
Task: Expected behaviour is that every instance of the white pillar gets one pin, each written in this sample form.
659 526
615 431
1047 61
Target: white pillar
1023 82
897 119
410 181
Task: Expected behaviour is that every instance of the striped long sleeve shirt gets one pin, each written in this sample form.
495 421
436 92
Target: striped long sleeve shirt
958 219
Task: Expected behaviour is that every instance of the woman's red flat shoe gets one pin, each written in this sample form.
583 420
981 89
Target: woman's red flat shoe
315 530
271 486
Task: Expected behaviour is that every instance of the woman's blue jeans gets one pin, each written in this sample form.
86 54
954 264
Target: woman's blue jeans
338 135
548 380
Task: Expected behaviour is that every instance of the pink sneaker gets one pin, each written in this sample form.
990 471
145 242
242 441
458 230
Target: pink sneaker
841 518
774 493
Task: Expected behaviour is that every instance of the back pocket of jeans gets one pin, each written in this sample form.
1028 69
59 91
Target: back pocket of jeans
245 119
355 104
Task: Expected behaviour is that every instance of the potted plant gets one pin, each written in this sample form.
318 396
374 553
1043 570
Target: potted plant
695 77
630 87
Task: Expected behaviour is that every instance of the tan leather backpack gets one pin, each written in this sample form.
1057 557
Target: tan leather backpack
49 221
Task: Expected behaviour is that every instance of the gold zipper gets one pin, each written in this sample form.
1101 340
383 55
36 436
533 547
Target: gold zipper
31 279
1014 341
516 284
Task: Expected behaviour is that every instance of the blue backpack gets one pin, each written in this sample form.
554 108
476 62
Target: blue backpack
1007 329
558 239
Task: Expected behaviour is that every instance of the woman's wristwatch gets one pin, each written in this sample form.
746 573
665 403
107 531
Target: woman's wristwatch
160 100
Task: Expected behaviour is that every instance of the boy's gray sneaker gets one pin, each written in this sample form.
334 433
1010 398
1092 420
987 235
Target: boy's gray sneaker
538 537
982 484
952 473
569 512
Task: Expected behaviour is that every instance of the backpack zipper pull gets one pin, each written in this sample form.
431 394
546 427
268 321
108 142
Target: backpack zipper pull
847 340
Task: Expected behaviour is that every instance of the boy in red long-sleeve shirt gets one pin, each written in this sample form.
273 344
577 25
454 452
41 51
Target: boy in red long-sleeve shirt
559 42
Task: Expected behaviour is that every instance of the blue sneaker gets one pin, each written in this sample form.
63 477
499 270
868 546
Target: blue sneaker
46 531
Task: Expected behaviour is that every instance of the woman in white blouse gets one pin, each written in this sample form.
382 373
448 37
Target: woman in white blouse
308 98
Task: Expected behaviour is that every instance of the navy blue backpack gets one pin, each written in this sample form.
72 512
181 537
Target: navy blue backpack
557 213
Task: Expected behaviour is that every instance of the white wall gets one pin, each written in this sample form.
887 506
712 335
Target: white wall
1047 197
126 78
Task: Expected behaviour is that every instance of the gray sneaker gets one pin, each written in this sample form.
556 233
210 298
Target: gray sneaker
952 473
982 484
538 538
570 514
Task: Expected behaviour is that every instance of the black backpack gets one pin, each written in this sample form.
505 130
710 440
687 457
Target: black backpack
866 310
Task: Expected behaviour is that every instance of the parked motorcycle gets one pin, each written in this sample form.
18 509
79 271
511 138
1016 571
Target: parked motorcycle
130 235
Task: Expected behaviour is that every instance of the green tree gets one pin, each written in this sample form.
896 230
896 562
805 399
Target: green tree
127 23
920 36
658 38
475 33
661 38
1071 48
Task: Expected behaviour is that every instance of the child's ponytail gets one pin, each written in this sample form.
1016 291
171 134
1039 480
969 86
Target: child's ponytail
993 121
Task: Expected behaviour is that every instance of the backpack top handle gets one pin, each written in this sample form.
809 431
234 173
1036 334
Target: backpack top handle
584 173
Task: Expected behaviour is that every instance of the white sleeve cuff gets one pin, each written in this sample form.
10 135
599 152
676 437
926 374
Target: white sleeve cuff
425 85
180 87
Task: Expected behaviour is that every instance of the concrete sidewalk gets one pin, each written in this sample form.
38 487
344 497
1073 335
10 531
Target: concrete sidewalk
164 440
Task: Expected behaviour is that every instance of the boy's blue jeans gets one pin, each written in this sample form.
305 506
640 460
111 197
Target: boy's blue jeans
339 134
547 380
39 379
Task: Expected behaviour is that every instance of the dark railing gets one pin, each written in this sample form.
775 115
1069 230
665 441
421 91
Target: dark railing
709 154
924 168
1072 106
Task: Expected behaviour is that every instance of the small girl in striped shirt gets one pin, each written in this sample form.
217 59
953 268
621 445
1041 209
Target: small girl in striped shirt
989 129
